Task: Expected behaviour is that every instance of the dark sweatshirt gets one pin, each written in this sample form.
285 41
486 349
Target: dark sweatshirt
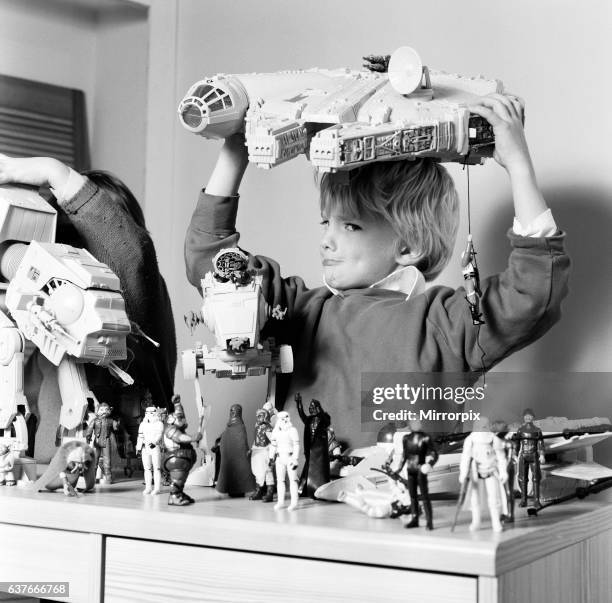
337 338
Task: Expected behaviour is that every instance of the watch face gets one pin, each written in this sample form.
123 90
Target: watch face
230 262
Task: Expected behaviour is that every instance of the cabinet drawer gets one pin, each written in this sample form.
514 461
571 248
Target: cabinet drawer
138 570
42 555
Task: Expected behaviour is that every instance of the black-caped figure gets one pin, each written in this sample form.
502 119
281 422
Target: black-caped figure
419 456
316 449
235 477
216 450
180 455
530 456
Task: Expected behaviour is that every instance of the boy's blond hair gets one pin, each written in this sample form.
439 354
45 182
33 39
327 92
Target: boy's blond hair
417 198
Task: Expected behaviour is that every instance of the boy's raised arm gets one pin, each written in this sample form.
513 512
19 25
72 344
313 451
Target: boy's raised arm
230 167
520 304
505 114
213 223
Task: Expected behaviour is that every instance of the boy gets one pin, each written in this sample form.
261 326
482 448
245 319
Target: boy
384 233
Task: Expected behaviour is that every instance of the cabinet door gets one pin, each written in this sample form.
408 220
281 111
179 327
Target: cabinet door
159 572
41 555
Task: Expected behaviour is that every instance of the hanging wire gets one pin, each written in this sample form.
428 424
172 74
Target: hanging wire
466 167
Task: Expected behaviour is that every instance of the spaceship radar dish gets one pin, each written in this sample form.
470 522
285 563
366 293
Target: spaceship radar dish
405 70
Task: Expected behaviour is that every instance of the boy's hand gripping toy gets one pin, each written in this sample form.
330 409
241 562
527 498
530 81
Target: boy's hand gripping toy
343 118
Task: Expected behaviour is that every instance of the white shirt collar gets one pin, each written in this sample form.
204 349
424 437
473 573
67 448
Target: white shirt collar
408 280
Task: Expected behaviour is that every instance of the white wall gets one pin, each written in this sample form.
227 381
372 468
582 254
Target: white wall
554 53
120 93
49 43
100 48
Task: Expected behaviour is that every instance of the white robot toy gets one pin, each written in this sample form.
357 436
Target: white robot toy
234 311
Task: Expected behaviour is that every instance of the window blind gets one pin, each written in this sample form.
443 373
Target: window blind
43 119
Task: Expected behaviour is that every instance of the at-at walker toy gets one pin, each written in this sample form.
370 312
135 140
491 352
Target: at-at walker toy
235 311
62 300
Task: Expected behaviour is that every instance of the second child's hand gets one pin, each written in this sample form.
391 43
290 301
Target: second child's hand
35 171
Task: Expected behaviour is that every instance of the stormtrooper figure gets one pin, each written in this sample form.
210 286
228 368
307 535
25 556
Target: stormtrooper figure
285 449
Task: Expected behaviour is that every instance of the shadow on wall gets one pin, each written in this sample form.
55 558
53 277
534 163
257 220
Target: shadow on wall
579 341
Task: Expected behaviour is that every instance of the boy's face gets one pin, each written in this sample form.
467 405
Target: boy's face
356 251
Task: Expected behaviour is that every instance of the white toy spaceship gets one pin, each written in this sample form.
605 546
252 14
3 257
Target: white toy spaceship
344 118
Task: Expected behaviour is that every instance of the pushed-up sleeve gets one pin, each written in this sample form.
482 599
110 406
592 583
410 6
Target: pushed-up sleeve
518 306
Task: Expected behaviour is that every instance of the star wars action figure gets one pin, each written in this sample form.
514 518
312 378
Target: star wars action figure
378 505
285 450
235 477
419 456
180 454
334 449
149 446
98 435
483 463
501 430
7 477
315 472
530 456
260 458
272 412
73 460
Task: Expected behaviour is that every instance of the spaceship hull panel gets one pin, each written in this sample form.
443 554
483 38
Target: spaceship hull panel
343 105
273 141
288 85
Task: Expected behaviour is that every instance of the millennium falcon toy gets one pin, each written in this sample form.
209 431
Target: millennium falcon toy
394 108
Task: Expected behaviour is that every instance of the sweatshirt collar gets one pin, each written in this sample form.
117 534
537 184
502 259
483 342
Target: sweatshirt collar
408 280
